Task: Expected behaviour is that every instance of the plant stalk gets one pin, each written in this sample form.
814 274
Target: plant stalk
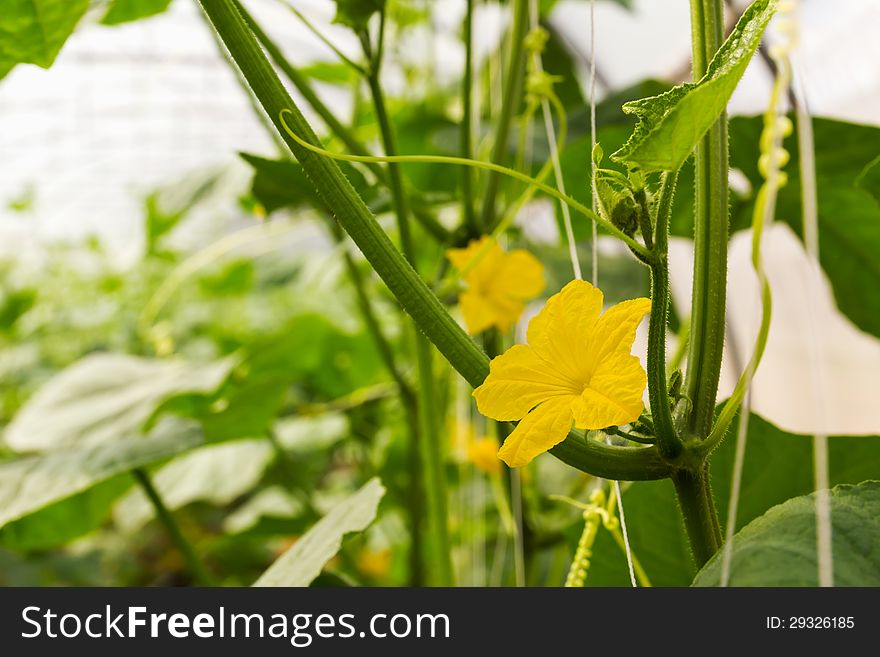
667 439
413 294
698 510
710 235
193 562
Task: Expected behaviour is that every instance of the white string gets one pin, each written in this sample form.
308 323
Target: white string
822 484
629 556
594 193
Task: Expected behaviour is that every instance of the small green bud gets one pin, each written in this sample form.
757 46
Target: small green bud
625 215
675 384
598 154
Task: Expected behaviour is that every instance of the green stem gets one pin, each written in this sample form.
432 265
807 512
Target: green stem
429 442
710 235
466 146
195 565
513 79
344 134
413 294
667 439
697 509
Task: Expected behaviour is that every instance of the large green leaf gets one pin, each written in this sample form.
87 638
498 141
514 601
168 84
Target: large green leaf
33 31
869 178
216 473
671 124
125 11
45 500
303 562
104 396
848 211
779 548
778 466
282 183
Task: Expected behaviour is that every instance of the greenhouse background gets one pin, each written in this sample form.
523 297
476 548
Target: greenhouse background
143 227
128 109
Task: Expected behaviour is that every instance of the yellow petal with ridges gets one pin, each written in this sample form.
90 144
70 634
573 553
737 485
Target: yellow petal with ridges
562 332
616 328
614 394
519 380
546 426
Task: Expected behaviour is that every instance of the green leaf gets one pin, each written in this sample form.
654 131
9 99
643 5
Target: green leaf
777 466
671 124
274 506
14 304
282 183
869 178
779 548
33 31
51 485
848 211
104 396
303 562
125 11
357 13
217 474
158 221
558 60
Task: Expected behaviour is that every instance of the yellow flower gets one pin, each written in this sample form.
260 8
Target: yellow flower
375 564
498 285
576 368
483 453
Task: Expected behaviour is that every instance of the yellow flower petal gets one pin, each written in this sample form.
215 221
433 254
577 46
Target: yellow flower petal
518 380
614 394
616 328
483 453
478 314
519 275
561 333
546 426
498 283
461 258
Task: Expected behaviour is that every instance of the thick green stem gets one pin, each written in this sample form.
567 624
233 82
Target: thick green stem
413 294
698 511
466 146
710 236
667 439
195 565
513 80
430 444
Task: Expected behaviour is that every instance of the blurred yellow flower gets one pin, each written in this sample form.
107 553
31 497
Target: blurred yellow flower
375 564
498 284
483 453
576 367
